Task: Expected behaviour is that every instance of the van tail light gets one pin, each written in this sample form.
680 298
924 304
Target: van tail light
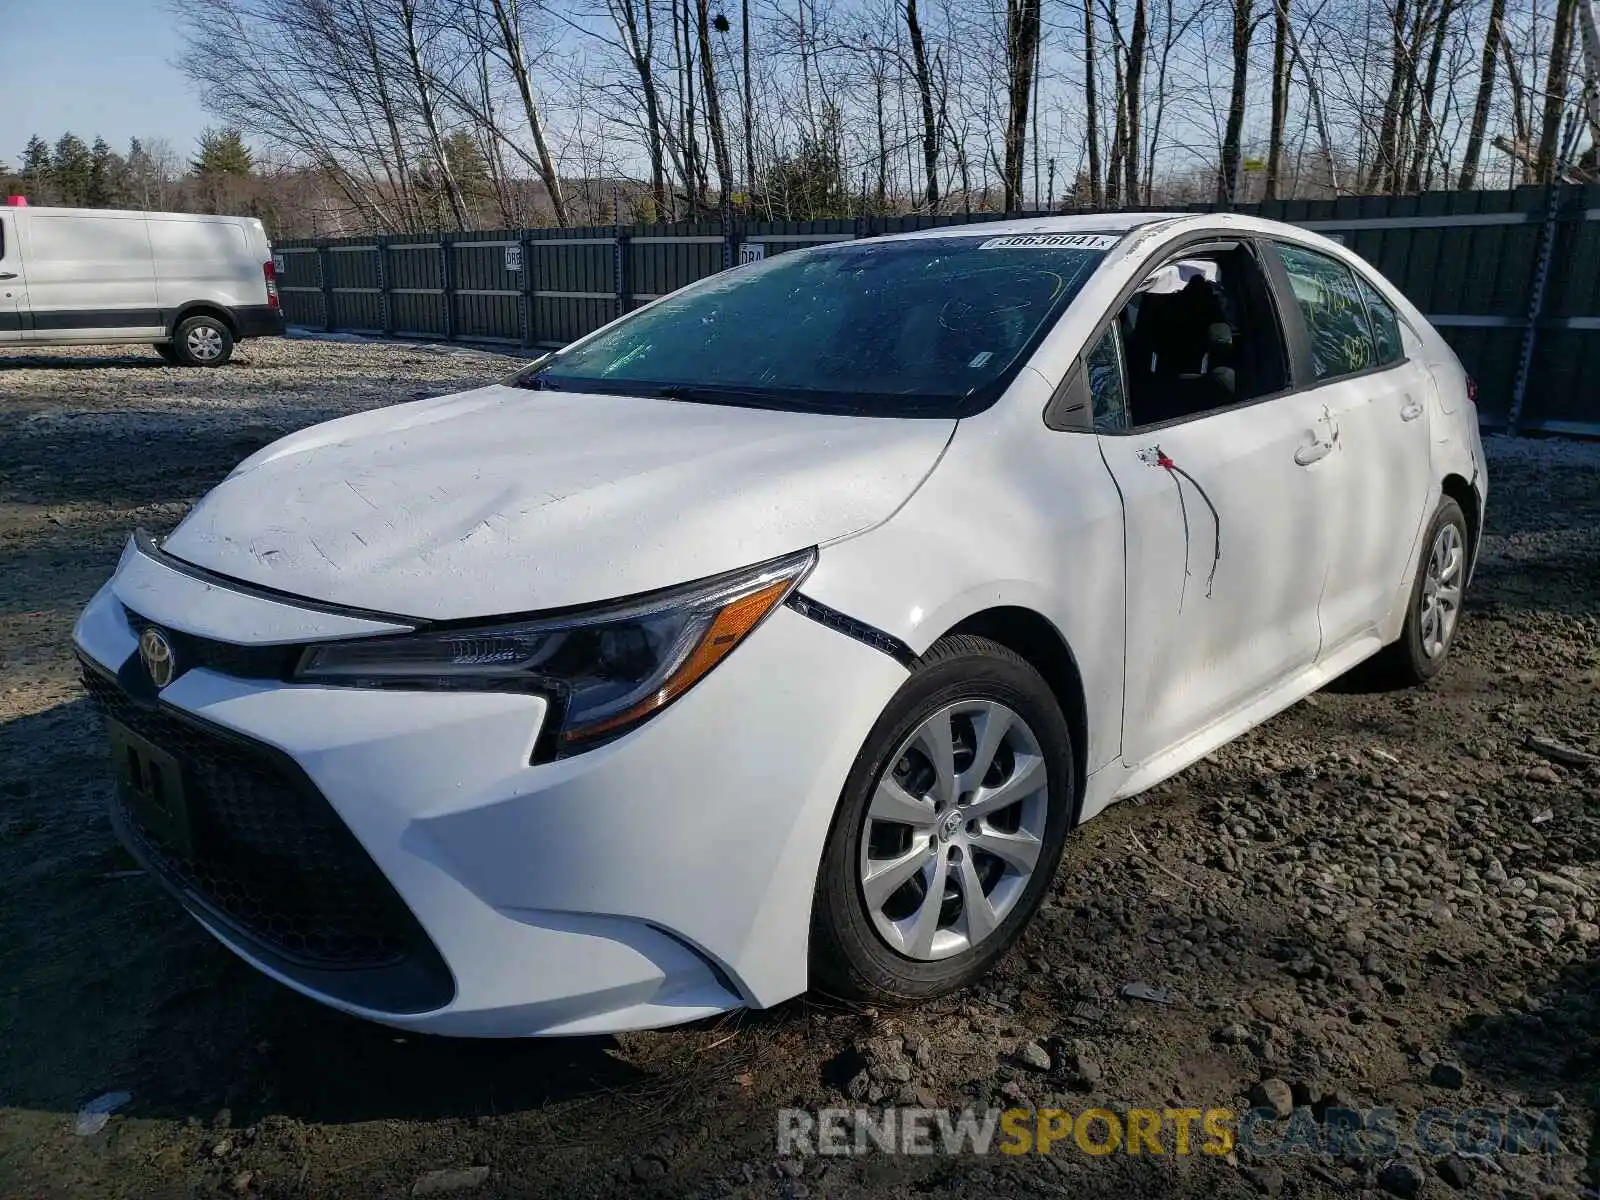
270 273
1472 389
16 202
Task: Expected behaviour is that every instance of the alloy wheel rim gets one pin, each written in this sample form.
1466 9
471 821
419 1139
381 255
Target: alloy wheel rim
1441 590
954 830
204 343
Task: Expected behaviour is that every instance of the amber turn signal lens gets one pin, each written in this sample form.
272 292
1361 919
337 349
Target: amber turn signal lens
730 626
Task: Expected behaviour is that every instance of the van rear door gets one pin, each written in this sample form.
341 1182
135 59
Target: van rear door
13 284
90 277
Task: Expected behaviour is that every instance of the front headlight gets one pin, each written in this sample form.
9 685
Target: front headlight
606 669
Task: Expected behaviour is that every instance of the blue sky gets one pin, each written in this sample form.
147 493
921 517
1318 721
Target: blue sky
94 67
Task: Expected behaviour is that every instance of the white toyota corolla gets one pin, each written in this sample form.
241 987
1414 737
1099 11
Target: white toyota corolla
776 634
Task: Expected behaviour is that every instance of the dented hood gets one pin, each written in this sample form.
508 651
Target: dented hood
503 500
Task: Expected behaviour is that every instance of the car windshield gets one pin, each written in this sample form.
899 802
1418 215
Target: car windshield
925 327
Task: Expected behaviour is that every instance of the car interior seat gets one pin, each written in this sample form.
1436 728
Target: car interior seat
1180 353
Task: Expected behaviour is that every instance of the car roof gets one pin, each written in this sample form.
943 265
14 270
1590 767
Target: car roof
1104 222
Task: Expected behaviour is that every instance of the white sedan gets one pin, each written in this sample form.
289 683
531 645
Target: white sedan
776 635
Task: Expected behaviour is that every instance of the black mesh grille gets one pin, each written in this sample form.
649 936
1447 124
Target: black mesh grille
266 851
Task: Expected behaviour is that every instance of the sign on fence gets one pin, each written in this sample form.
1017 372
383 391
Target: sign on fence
513 258
280 264
750 252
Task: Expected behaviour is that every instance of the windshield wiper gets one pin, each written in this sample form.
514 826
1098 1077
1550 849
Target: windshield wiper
735 396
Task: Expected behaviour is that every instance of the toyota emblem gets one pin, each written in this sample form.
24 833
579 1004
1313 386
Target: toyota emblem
155 652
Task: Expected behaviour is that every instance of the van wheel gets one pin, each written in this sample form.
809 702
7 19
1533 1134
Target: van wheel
167 353
202 342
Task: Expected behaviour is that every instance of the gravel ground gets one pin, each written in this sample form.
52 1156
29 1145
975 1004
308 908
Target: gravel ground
1376 899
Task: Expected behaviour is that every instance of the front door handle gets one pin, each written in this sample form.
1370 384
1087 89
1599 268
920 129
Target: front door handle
8 274
1306 455
1411 410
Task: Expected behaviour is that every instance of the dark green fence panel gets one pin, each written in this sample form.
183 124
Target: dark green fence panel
486 287
354 287
300 284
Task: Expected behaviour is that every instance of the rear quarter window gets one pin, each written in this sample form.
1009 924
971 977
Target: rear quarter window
1386 337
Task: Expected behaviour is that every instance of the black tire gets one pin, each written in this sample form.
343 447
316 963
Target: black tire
202 342
849 958
168 354
1405 662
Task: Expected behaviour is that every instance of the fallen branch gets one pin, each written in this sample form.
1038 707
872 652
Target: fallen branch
1569 756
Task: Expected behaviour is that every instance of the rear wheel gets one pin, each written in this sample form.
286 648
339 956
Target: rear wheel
949 828
202 342
1434 610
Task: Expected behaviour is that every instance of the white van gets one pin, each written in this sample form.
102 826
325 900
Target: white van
191 286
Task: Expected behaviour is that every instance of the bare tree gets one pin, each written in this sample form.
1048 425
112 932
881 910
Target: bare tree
1280 97
1480 111
1244 27
1132 85
932 134
1427 129
508 21
1092 118
749 102
1022 40
713 102
1555 90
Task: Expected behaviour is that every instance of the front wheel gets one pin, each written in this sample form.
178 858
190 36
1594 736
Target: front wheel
948 831
1434 608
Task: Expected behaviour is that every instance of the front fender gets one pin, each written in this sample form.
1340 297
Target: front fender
1015 515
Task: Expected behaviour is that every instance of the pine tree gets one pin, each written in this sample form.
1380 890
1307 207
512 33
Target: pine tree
36 174
71 166
223 152
107 176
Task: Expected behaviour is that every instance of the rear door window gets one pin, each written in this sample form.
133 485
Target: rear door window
1334 309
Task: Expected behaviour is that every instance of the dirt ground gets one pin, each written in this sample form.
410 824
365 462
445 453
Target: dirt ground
1377 899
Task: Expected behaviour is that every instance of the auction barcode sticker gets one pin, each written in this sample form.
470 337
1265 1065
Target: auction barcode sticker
1052 241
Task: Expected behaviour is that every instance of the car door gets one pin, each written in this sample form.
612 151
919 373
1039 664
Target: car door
1376 397
1225 520
13 284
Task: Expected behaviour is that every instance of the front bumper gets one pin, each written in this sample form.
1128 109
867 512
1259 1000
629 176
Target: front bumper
661 878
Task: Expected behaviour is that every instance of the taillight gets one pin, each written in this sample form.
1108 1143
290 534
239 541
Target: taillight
1472 389
270 273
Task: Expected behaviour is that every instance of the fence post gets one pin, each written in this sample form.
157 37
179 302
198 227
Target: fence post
525 289
385 309
325 266
1530 333
447 287
621 276
727 236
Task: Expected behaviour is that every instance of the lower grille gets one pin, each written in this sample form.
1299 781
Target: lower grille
265 851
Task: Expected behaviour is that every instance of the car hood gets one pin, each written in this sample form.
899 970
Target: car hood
505 500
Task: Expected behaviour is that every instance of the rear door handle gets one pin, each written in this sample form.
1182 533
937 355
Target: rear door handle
8 274
1306 455
1410 411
